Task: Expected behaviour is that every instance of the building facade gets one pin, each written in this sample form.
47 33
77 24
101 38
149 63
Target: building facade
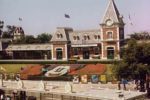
103 43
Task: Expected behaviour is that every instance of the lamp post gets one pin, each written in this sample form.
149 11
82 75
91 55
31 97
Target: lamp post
1 27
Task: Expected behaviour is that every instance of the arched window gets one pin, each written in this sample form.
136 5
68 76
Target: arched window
110 35
78 38
61 36
58 36
110 52
88 37
99 37
74 37
84 37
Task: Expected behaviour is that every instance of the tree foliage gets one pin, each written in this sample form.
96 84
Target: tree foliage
136 60
44 37
30 39
141 35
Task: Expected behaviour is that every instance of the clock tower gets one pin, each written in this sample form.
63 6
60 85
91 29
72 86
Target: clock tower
112 32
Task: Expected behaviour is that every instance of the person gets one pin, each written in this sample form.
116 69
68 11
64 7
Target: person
124 82
119 85
137 83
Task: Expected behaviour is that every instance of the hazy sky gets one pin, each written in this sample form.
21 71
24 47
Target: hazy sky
40 16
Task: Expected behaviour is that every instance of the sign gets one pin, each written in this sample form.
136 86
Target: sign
94 79
103 78
76 79
84 79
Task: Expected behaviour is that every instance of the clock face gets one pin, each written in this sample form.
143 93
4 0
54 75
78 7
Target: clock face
109 22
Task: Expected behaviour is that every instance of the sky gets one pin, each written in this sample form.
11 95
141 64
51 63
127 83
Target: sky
39 16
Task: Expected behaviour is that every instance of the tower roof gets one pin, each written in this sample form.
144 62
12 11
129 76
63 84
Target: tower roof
112 13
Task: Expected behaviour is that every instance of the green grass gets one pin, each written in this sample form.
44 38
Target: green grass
12 68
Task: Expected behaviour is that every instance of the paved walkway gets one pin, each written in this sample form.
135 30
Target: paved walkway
108 91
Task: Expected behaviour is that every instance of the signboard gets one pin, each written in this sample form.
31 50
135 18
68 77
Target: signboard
84 79
94 79
103 78
75 79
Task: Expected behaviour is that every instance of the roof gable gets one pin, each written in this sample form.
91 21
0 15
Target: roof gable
112 13
61 34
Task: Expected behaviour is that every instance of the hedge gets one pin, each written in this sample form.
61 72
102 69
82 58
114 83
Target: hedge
58 62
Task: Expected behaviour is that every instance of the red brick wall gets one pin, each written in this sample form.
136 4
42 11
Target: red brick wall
107 43
114 30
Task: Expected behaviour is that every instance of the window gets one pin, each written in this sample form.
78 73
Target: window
75 51
74 37
99 37
109 35
78 38
86 37
59 35
96 49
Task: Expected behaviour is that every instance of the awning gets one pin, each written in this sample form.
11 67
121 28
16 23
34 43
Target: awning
83 45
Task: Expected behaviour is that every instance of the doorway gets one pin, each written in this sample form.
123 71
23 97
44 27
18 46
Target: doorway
59 53
110 53
86 53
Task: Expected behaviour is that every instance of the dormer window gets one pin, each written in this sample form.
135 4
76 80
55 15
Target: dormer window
86 37
97 37
76 37
59 35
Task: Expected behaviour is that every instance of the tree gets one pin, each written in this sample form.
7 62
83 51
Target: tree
141 35
6 35
135 63
29 39
44 38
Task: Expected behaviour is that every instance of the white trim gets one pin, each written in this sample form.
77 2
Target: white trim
102 45
103 19
118 33
29 47
101 34
66 51
58 48
52 52
110 46
118 43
